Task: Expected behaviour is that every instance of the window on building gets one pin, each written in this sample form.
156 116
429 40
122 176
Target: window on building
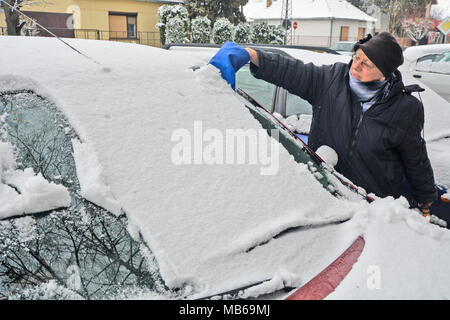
361 33
344 34
122 25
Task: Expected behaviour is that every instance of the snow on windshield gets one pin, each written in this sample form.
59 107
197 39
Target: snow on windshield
157 128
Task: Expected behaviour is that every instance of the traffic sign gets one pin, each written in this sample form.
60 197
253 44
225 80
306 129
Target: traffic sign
295 25
444 26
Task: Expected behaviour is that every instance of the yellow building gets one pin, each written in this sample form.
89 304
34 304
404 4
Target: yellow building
121 20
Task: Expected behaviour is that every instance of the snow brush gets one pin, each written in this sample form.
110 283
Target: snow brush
307 148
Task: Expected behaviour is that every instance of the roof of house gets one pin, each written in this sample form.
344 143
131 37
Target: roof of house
306 9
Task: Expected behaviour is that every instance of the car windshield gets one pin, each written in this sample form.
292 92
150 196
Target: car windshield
83 251
342 46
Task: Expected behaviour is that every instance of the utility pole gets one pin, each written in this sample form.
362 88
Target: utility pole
286 20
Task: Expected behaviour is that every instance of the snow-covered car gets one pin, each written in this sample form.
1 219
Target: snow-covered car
161 183
431 65
343 47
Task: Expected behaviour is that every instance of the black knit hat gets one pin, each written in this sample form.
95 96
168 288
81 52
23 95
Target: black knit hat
383 50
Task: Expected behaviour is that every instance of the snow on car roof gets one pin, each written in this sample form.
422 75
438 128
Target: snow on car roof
413 53
204 221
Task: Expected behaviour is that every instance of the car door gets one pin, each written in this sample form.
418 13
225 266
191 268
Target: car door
434 71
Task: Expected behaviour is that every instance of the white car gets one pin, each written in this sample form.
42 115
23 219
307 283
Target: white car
177 190
431 65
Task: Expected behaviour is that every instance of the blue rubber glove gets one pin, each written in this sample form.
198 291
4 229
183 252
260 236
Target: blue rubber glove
229 59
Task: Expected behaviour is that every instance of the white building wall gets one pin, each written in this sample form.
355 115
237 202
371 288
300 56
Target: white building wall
324 32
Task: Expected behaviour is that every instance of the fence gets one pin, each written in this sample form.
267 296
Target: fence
149 38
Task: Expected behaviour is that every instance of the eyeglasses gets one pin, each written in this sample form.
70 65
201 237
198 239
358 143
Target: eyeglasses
358 58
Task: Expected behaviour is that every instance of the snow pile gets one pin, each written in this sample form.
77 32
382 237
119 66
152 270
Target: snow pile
299 123
404 257
90 176
328 155
23 192
281 279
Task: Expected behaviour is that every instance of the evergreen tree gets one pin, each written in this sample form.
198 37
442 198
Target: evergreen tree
214 9
242 33
261 32
166 13
276 34
222 31
201 30
176 31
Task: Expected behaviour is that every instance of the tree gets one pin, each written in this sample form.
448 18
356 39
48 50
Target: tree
242 33
176 31
14 20
397 10
166 13
261 33
214 9
201 30
276 34
222 31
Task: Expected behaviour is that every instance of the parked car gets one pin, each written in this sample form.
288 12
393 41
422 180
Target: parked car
162 205
343 47
431 65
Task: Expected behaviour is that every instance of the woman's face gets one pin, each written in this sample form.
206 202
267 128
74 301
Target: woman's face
363 69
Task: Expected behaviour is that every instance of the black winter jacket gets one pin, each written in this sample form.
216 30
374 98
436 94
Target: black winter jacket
377 148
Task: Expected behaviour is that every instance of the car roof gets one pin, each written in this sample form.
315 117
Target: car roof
414 53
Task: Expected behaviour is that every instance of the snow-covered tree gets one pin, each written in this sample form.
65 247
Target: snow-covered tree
242 33
222 31
176 31
166 13
215 9
276 34
417 29
261 33
14 20
201 30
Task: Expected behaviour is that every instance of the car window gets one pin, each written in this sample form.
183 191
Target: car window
424 63
339 46
297 105
435 63
260 90
82 251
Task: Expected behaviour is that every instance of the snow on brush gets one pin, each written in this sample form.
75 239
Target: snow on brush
159 131
24 192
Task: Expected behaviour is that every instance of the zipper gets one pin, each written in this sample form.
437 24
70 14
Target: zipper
358 127
355 135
